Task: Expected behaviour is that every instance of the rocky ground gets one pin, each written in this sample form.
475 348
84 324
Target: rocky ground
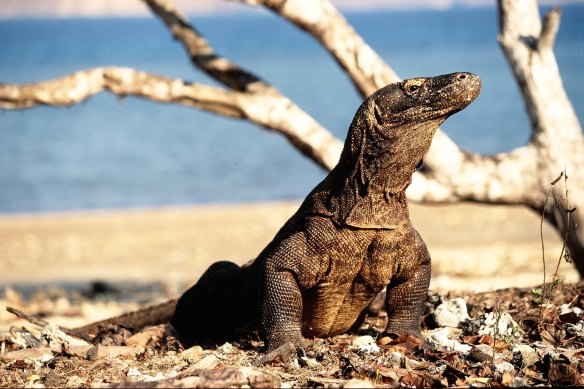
486 322
511 337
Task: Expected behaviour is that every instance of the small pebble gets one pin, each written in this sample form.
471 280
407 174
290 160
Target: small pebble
481 353
364 340
505 324
451 313
528 355
208 362
366 344
192 355
226 348
308 362
504 366
438 339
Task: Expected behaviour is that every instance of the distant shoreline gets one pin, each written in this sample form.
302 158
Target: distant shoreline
89 9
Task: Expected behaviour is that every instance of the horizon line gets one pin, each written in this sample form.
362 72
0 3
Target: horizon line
20 11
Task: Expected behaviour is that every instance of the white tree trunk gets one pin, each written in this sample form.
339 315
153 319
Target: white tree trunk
557 134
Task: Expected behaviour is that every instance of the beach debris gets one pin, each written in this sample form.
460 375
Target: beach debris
357 383
57 340
569 314
192 355
226 377
576 329
439 340
366 344
451 313
527 354
42 323
396 359
226 348
209 361
502 367
21 338
98 351
137 375
113 335
37 353
310 363
280 354
481 353
150 336
551 354
564 372
500 324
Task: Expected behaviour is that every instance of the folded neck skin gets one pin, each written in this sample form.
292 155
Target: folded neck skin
391 133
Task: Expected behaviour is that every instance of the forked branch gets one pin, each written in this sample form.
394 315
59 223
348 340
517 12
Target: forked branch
277 112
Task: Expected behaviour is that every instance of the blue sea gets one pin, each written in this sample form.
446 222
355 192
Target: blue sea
110 152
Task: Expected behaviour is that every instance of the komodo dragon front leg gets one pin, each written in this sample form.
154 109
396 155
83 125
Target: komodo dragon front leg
405 297
280 315
281 308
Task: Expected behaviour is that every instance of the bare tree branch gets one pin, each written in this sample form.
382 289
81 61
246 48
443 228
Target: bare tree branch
473 177
273 112
270 108
551 25
202 54
324 22
74 88
42 323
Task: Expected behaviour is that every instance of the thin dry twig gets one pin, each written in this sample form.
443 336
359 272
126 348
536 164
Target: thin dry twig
563 207
497 311
564 210
543 285
42 323
202 54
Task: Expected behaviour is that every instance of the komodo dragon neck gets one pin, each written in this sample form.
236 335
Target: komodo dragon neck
389 136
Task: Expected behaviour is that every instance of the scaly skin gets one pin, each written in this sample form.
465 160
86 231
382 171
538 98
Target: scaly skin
349 239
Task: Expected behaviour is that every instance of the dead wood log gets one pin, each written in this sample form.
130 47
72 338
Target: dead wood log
149 316
43 323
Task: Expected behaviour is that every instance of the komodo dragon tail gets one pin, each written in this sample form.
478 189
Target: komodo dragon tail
153 315
220 306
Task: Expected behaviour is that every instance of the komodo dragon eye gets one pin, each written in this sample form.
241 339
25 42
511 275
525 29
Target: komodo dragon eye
410 87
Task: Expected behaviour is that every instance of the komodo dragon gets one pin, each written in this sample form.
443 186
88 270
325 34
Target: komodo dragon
350 238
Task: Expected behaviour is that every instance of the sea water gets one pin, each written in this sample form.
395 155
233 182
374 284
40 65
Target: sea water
112 152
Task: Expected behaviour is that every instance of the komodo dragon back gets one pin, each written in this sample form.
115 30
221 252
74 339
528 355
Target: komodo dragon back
350 238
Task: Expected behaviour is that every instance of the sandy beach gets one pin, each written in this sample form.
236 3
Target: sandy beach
473 247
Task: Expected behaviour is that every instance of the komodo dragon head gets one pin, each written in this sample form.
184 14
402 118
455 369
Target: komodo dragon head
389 136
